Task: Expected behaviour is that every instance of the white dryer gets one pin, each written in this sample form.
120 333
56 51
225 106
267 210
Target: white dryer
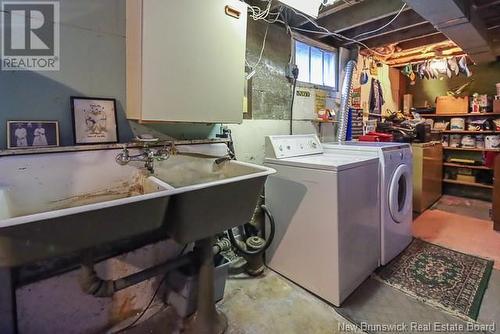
396 191
326 238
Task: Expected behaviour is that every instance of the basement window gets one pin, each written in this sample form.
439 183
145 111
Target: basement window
317 64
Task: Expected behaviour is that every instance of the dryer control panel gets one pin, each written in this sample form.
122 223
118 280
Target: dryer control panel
292 146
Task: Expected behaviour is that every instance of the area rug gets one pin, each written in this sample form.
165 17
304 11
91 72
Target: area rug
452 281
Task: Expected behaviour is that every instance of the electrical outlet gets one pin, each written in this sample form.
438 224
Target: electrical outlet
291 69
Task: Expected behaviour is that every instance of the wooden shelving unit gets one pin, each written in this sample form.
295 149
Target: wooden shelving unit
450 164
461 132
462 115
461 149
471 184
470 149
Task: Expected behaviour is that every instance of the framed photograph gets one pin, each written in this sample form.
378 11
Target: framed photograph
30 134
94 120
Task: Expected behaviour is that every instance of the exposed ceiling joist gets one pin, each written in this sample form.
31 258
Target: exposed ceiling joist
424 40
403 35
401 61
460 22
360 14
406 20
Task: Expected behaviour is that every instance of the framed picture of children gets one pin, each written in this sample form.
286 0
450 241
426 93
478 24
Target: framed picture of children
94 120
30 134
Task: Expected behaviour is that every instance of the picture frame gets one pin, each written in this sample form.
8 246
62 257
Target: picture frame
94 120
28 134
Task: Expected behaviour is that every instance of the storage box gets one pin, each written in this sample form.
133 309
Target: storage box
407 103
182 286
466 178
452 105
496 106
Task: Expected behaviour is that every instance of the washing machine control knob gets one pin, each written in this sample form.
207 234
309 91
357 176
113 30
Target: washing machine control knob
401 155
280 148
313 144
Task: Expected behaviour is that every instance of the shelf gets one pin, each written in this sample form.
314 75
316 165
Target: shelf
449 164
471 149
472 184
469 132
461 115
322 121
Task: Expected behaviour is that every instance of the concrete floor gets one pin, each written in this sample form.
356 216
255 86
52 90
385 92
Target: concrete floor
271 304
266 305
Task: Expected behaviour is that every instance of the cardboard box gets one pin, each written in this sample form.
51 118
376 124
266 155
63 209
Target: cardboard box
496 106
466 178
452 105
407 103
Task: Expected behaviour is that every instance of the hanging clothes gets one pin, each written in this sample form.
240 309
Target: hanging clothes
376 97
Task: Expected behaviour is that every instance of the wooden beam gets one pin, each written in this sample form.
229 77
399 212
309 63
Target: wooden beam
461 23
359 14
488 5
407 19
404 35
425 56
433 38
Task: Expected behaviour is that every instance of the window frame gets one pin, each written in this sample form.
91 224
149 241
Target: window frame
323 47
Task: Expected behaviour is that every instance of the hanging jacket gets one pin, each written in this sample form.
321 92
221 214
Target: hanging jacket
376 97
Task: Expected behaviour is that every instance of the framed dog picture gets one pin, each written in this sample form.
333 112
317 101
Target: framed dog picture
94 120
31 134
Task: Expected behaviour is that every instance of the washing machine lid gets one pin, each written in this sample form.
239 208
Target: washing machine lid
324 161
366 146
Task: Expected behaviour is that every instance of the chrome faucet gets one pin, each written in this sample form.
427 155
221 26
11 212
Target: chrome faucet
148 155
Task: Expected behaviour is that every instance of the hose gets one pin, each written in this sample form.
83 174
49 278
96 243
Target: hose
269 240
344 101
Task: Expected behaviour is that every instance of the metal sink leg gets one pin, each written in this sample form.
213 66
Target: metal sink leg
206 320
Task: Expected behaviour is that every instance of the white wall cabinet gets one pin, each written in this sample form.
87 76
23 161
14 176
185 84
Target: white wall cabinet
186 60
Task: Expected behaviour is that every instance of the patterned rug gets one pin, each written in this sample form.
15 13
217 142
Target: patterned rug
441 277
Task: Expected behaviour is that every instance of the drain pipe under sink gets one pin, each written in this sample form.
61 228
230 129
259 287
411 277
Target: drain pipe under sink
92 284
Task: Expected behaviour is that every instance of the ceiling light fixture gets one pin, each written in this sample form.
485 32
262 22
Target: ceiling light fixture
308 7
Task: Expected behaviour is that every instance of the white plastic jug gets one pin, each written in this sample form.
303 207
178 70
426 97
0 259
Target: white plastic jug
5 211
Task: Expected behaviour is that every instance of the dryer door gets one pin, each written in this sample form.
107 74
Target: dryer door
400 194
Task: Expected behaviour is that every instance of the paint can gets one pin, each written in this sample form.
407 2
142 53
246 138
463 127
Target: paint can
492 142
457 123
468 141
455 140
445 140
480 141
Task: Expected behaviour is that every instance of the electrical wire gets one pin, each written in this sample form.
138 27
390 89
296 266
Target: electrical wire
325 31
139 317
385 25
261 50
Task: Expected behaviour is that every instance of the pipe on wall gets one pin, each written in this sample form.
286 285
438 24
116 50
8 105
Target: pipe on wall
92 284
345 98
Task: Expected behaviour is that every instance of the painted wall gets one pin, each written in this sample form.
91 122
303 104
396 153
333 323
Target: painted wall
92 64
390 82
484 79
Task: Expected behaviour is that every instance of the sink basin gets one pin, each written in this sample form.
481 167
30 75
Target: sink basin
212 198
56 203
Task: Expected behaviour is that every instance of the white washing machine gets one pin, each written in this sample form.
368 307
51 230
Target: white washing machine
326 238
396 191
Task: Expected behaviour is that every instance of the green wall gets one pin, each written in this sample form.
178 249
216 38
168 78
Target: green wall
484 79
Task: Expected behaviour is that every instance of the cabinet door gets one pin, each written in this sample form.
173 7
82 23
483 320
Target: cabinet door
432 175
193 60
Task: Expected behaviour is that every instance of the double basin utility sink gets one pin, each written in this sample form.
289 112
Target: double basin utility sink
55 203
